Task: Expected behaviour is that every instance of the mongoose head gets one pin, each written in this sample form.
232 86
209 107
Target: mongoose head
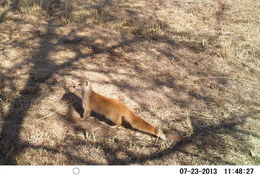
84 83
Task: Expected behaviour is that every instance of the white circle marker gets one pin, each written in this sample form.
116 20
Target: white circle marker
76 171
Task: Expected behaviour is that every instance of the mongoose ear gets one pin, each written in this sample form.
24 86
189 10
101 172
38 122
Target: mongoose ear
87 83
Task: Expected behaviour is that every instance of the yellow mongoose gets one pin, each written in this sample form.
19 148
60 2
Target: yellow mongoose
114 110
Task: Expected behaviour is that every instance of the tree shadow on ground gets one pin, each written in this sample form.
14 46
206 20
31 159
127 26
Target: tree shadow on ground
14 120
203 134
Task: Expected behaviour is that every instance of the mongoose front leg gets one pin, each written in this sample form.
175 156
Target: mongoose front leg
86 114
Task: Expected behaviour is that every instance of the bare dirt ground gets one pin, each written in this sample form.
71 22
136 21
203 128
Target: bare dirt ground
190 67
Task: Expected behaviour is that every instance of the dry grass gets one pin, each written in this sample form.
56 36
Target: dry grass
188 67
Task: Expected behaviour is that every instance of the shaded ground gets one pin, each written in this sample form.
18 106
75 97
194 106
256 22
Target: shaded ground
189 67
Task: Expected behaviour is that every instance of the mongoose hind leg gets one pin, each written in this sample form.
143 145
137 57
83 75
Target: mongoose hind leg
118 123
